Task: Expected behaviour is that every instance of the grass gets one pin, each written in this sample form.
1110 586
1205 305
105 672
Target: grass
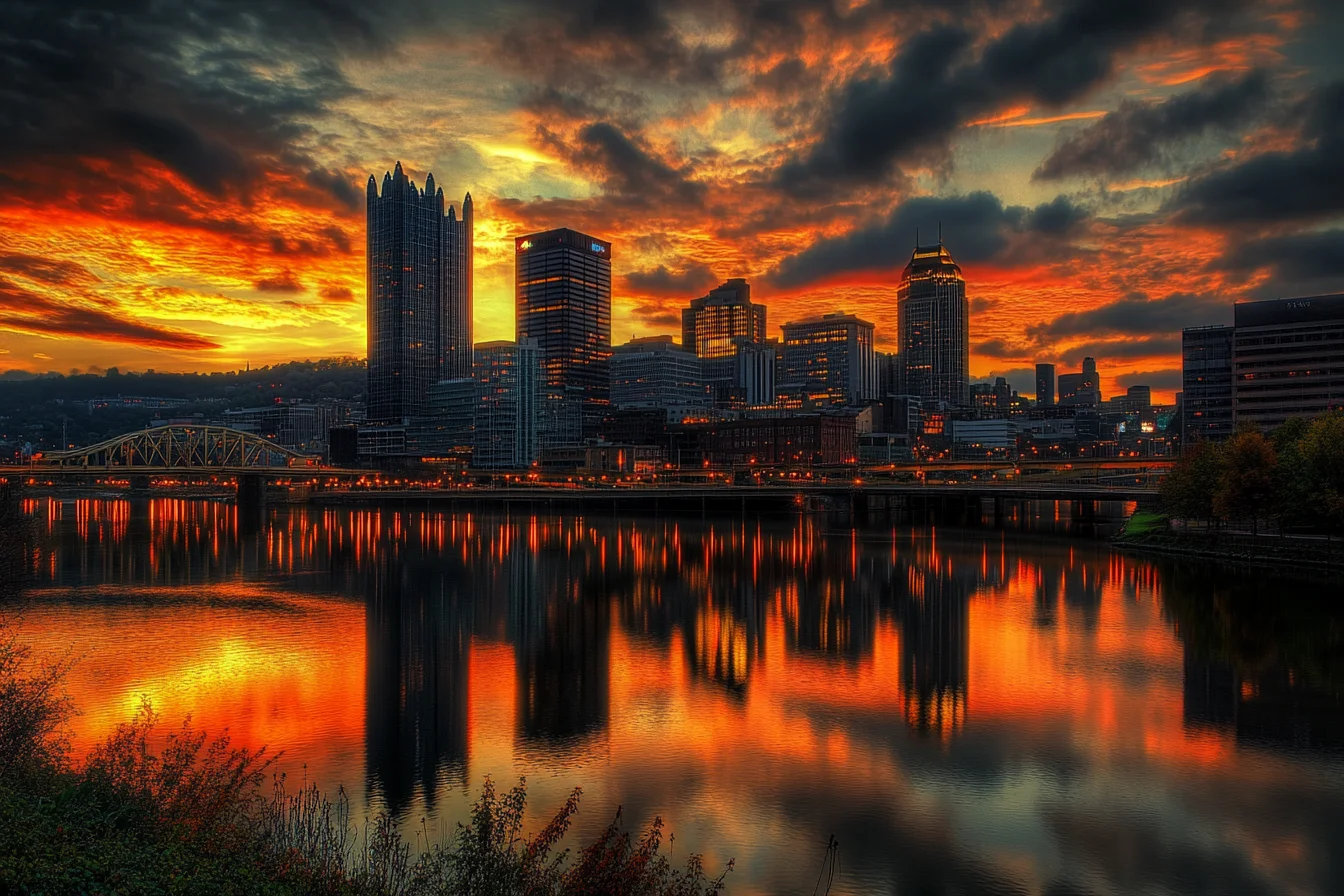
1144 524
183 813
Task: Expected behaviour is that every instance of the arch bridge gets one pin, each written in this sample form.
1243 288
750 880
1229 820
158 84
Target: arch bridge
179 447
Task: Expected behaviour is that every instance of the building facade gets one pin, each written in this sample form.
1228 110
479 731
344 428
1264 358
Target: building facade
508 398
450 428
1045 385
830 360
419 295
716 327
1287 359
798 440
563 292
655 372
1206 383
933 320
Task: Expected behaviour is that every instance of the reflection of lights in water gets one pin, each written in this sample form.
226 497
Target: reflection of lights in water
755 661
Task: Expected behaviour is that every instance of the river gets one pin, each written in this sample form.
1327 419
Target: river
964 711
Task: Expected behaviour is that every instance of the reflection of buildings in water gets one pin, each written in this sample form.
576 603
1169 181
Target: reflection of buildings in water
725 639
416 681
560 625
1047 598
1082 591
1280 710
1276 708
1211 691
935 649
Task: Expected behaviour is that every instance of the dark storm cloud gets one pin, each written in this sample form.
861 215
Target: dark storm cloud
1306 183
1315 255
1122 350
51 271
24 311
937 82
978 224
629 170
1138 315
689 282
338 294
1139 134
283 282
1002 348
198 87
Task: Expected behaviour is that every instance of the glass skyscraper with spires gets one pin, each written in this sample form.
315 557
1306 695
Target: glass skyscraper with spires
420 285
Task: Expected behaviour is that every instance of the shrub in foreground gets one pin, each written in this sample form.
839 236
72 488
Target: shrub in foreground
186 814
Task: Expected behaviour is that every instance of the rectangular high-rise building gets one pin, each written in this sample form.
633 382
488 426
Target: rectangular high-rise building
716 327
563 289
1045 385
655 372
1206 383
1287 359
508 397
830 359
419 295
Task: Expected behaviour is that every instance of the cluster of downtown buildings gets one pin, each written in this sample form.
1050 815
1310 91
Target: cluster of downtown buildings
561 396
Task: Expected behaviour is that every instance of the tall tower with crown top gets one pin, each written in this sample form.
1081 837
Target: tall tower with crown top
419 295
933 323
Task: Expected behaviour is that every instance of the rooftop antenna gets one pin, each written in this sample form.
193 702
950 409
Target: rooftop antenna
916 237
940 233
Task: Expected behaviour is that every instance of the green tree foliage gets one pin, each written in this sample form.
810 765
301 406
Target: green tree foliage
1295 476
1187 491
1246 489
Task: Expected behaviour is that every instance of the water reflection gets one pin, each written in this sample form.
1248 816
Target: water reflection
965 712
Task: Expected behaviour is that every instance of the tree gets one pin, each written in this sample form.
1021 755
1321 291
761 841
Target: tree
1321 450
1247 487
1188 489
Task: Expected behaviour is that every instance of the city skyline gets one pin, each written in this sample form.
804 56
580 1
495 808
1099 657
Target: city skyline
208 216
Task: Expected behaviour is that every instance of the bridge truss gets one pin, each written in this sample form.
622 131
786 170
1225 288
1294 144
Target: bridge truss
180 447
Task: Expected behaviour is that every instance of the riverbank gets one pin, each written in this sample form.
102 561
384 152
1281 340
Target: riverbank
181 813
1152 533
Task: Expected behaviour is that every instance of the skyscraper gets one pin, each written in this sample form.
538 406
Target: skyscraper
419 282
507 394
830 359
716 327
1206 383
563 283
933 321
1287 359
1045 385
715 324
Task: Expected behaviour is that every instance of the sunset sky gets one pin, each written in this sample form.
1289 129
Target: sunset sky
181 183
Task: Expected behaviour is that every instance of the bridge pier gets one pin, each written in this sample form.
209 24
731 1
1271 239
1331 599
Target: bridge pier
999 508
251 493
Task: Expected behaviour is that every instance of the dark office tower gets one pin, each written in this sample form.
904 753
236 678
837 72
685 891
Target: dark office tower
419 295
563 282
1092 379
1287 359
1045 385
460 276
1206 383
933 322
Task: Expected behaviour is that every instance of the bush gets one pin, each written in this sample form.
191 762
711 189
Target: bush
190 817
